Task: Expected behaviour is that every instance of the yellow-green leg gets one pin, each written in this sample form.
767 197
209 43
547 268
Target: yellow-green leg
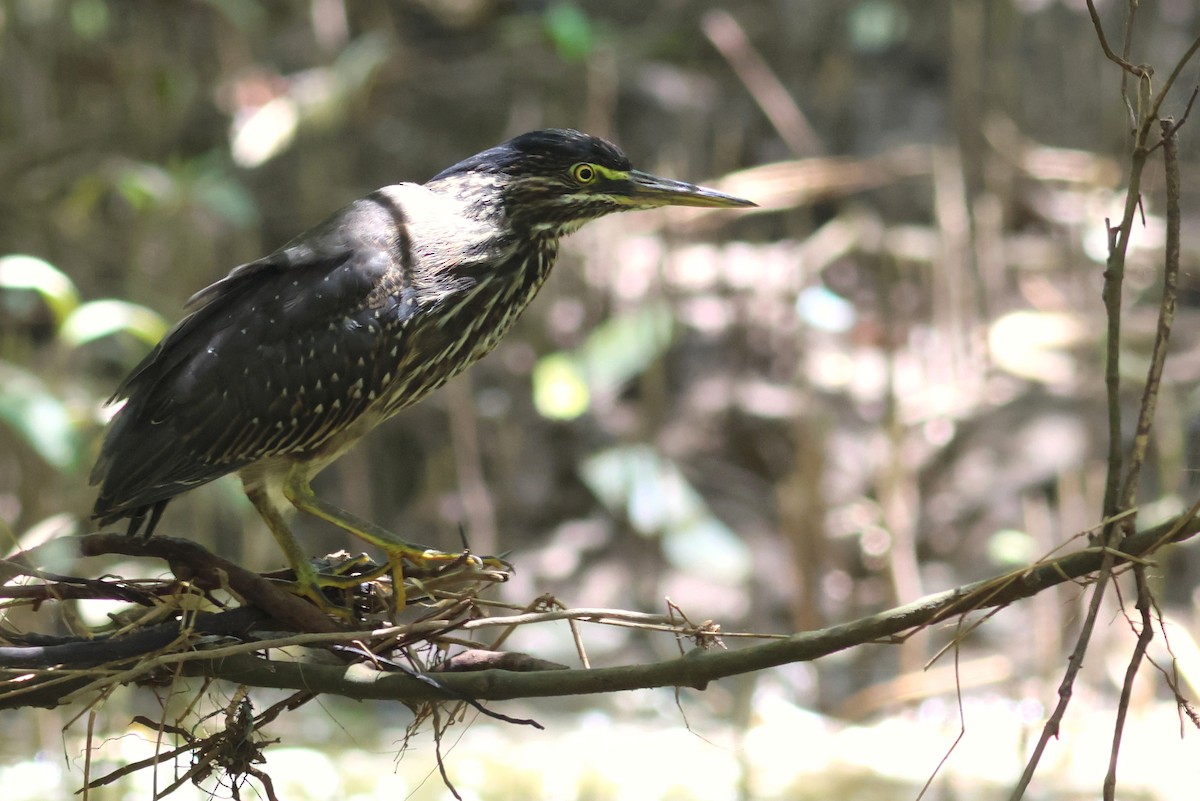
308 581
299 493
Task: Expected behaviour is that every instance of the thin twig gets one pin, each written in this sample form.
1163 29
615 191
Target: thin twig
1138 70
1126 49
1187 110
1065 687
1144 603
962 720
1162 94
1166 317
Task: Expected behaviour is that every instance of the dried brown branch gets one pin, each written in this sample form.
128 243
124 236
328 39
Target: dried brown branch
700 666
1183 61
1145 635
1141 441
730 40
237 662
1166 318
1066 686
1139 71
1120 493
191 562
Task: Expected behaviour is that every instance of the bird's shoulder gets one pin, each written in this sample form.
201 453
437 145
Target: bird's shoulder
360 238
330 275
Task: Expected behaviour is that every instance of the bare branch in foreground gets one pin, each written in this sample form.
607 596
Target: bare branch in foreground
699 667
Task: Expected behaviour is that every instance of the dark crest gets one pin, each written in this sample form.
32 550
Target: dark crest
552 148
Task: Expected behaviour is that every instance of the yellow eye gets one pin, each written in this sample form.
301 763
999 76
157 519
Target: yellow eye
584 173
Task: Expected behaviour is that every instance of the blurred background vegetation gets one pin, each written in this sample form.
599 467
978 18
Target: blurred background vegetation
883 383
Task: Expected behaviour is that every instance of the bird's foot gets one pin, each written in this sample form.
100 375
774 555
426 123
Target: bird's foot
429 570
352 587
335 584
432 562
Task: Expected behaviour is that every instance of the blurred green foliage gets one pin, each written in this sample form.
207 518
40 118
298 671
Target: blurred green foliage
571 31
651 492
46 400
616 352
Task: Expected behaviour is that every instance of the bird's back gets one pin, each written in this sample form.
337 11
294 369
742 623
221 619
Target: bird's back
290 356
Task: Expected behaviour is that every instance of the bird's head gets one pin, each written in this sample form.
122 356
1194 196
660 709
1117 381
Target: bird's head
553 181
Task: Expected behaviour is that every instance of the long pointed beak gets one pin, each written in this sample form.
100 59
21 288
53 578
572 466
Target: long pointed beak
648 191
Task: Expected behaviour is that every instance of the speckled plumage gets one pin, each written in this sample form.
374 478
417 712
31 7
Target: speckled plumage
287 361
349 323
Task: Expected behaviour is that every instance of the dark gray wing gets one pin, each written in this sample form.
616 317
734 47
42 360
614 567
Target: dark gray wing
275 358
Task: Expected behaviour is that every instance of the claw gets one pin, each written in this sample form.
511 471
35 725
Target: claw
320 581
430 564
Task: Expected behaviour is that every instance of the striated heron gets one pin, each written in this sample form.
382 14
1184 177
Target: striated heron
285 363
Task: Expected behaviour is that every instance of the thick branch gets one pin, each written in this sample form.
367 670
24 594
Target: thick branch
695 669
189 560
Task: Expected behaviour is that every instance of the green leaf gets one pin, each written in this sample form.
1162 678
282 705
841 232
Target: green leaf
89 19
34 414
227 198
30 273
617 351
651 492
560 391
145 186
102 318
1011 547
876 25
361 59
570 30
625 346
